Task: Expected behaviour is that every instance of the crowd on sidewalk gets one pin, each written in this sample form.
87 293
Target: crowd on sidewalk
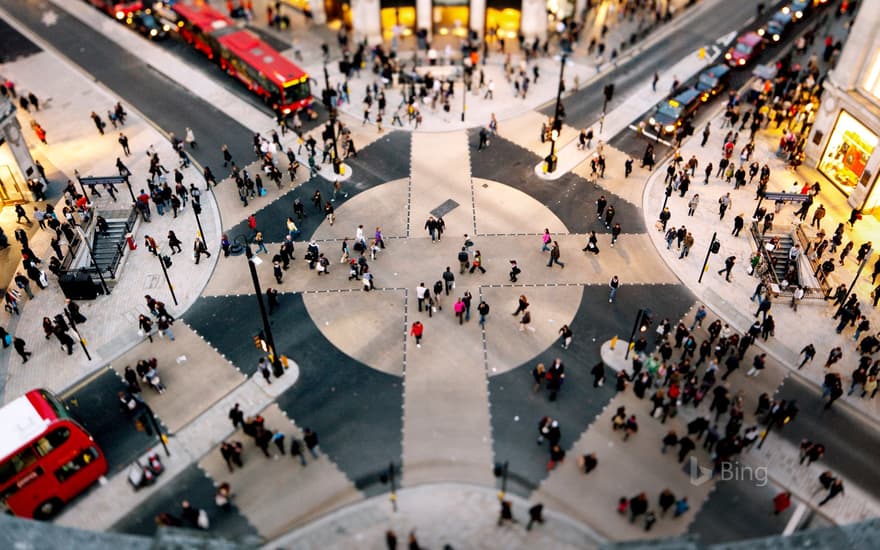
786 107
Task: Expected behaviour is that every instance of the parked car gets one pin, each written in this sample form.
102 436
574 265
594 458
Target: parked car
671 113
778 24
145 22
712 81
119 10
746 48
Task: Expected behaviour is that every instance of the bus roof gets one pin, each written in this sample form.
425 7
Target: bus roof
262 57
21 423
204 17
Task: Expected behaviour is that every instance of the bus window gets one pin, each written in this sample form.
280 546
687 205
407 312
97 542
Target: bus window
296 92
52 440
82 460
57 407
17 463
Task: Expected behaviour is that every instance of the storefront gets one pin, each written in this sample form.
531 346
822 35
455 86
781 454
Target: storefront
13 186
847 152
503 18
15 158
450 17
400 14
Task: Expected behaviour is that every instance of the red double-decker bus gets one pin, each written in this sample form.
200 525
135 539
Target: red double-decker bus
281 84
46 457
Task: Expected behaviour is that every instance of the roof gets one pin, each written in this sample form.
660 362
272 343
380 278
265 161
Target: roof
21 423
750 38
262 56
717 71
204 17
687 96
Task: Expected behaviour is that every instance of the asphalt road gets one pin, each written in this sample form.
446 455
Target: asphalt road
166 103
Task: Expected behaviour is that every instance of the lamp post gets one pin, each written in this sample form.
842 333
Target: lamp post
277 368
82 341
165 272
714 247
82 235
501 470
855 279
389 477
197 209
331 112
464 89
632 335
557 118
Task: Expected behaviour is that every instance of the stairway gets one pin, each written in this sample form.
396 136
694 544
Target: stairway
106 246
780 253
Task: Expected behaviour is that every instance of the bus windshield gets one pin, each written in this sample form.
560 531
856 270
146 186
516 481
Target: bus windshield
296 92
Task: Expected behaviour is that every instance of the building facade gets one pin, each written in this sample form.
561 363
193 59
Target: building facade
381 19
16 164
844 138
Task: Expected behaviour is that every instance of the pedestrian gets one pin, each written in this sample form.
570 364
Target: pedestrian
681 506
692 204
448 280
20 348
598 372
728 267
236 416
477 263
613 285
311 440
263 367
835 489
566 334
483 310
416 331
554 256
536 515
506 513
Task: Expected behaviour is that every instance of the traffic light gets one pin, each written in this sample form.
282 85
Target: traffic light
715 247
166 260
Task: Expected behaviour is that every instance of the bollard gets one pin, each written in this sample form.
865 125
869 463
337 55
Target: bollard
613 342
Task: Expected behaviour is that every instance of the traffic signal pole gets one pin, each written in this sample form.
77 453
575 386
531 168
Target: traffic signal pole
708 253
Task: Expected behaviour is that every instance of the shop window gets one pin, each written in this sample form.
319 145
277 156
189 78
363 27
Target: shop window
847 153
399 15
451 17
503 23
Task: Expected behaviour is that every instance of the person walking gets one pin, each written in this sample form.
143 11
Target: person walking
21 348
835 489
554 256
477 263
311 440
693 203
483 310
613 285
728 267
263 367
566 334
236 416
448 280
416 331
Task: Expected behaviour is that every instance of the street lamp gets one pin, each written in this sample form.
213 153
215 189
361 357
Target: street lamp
641 325
253 261
714 247
165 262
197 209
855 280
501 470
464 88
82 341
331 111
387 477
557 119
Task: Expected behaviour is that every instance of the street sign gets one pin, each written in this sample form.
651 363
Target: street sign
107 180
790 197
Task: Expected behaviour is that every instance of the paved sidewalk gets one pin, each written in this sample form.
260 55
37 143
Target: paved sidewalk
732 300
74 144
582 68
462 516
